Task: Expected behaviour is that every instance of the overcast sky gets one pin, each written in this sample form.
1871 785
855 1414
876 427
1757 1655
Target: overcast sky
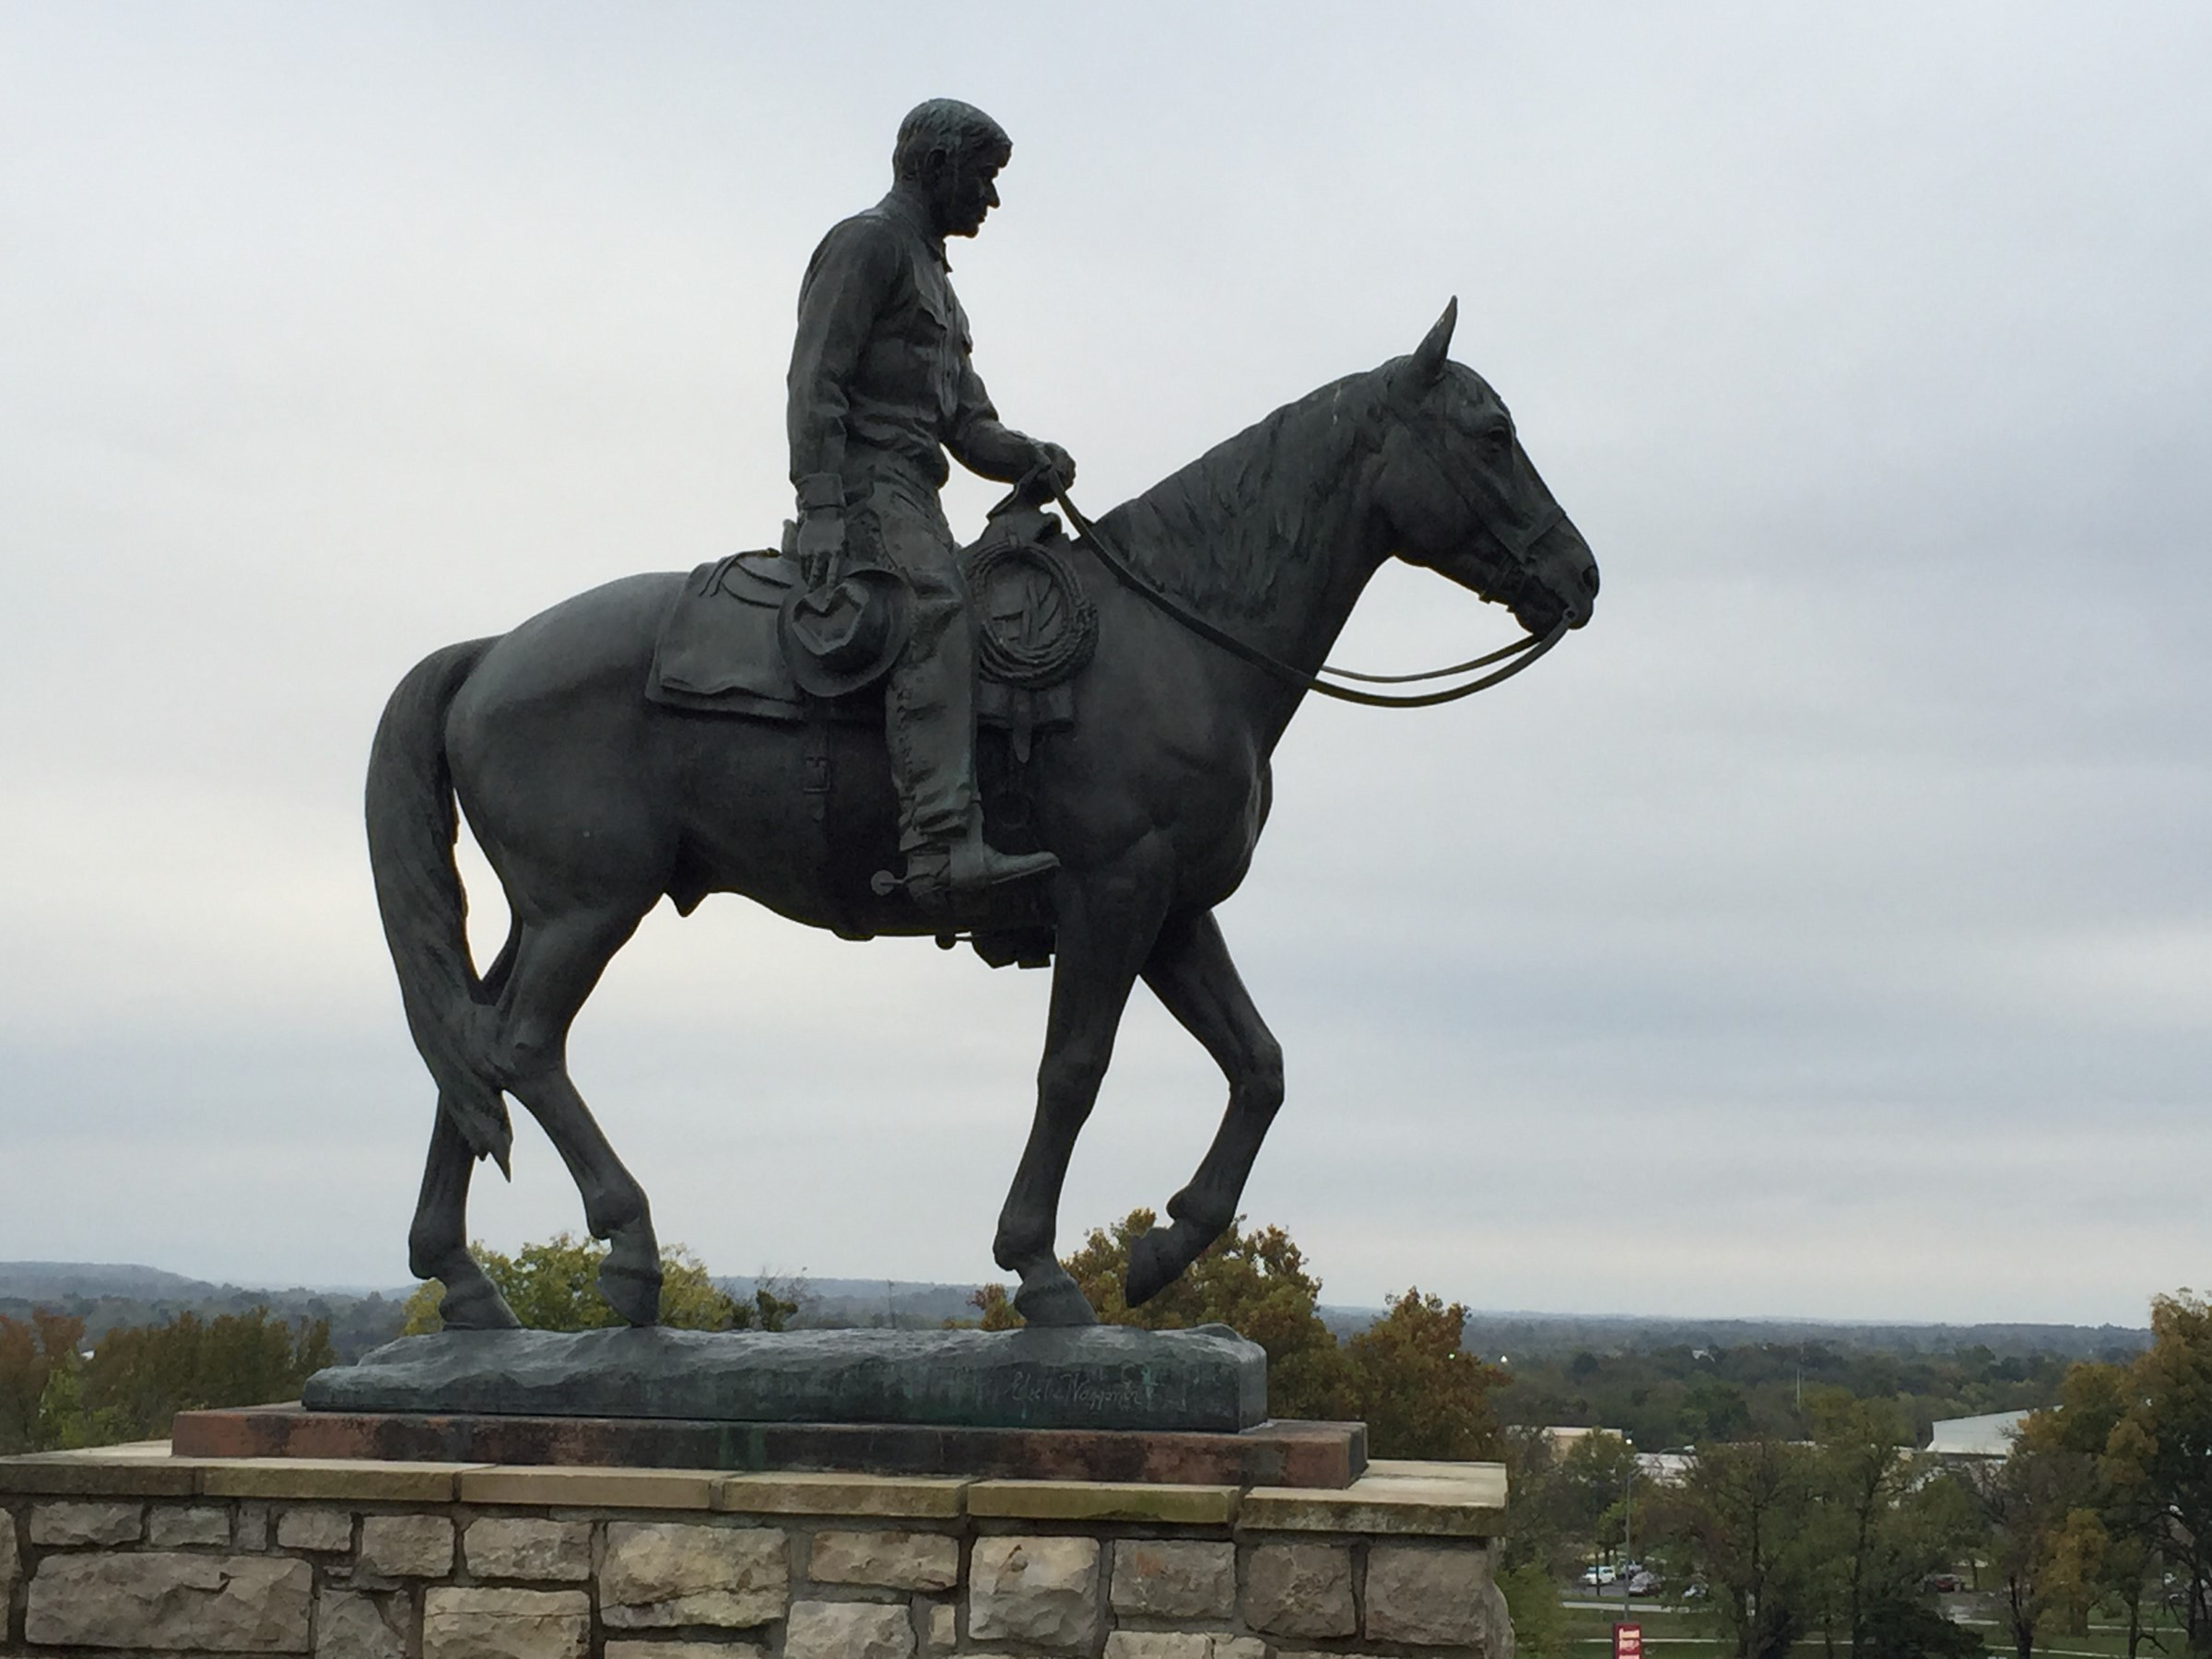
1826 930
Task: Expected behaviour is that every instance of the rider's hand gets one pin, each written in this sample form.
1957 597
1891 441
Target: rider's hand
1061 463
821 543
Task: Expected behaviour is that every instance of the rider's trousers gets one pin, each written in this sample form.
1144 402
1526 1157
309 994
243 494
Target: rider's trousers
929 706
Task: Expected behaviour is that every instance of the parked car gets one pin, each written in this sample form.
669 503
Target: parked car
1643 1583
1596 1578
1945 1584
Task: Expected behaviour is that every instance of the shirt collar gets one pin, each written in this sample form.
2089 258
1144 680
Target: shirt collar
904 211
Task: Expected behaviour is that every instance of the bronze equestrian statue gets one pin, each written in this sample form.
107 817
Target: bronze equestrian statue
1218 594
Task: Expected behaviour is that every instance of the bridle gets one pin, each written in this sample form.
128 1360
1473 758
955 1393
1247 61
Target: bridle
1518 545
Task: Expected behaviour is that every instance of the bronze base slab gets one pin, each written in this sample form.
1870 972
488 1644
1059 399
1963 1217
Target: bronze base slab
1275 1453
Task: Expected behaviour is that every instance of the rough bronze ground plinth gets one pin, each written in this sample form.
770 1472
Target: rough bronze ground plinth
1101 1377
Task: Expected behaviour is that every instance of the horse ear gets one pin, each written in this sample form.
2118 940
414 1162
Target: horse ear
1430 355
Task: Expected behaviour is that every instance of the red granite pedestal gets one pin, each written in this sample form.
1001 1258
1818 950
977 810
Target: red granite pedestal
1275 1453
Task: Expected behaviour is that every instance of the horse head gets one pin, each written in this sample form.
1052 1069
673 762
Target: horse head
1461 498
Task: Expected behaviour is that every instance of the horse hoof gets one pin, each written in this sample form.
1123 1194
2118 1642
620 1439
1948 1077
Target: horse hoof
1153 1267
478 1307
1055 1302
631 1291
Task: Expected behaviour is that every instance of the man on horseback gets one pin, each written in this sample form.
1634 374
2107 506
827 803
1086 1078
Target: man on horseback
880 389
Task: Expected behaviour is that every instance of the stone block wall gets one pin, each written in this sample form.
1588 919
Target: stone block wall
138 1552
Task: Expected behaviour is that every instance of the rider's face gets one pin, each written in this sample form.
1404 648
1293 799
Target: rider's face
965 189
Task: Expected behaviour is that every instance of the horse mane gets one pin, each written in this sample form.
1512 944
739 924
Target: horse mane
1223 532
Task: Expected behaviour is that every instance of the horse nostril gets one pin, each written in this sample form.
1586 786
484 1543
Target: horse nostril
1590 579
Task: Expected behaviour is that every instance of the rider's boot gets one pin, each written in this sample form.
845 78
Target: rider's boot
947 874
930 726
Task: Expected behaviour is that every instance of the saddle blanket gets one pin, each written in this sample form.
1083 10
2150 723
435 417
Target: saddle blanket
718 651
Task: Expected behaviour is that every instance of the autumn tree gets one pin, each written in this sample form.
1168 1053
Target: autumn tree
2157 1462
554 1286
1420 1392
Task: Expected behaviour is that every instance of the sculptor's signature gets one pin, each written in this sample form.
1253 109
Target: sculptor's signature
1084 1393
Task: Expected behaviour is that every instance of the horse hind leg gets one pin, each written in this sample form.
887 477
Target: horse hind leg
556 964
1191 973
438 1239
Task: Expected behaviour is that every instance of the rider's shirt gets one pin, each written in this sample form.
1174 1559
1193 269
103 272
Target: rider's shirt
881 367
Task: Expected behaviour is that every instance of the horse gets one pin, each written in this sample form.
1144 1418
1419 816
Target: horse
591 804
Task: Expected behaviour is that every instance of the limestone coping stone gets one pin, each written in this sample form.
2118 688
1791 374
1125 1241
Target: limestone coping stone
1103 1500
551 1487
74 1475
1398 1497
802 1492
311 1478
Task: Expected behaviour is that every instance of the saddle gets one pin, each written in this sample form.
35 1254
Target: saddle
722 646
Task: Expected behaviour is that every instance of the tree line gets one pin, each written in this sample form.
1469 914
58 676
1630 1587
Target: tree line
2101 1510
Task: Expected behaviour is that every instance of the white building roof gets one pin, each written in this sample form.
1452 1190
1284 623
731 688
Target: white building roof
1990 1435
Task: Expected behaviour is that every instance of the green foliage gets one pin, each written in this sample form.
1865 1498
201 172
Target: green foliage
144 1375
1742 1522
554 1286
1420 1394
33 1353
2106 1500
1532 1598
1681 1396
139 1377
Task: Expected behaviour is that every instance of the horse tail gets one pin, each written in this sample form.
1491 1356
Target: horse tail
412 822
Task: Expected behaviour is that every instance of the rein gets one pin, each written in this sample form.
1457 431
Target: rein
1524 650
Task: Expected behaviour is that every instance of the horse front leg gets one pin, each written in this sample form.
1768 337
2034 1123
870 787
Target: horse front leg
1191 973
1106 928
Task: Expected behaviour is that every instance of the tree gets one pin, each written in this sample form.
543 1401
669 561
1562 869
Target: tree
32 1354
2026 1500
141 1376
1879 1527
2156 1463
1419 1392
1535 1549
554 1286
1742 1521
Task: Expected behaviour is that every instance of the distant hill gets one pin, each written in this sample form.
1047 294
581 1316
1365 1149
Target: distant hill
107 1295
29 1281
1537 1335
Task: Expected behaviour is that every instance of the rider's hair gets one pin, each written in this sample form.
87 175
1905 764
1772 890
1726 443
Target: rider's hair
945 123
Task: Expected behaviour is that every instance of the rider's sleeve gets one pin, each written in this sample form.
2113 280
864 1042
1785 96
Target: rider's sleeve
980 442
845 286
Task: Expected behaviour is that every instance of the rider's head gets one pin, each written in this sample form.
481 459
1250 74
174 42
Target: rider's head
948 153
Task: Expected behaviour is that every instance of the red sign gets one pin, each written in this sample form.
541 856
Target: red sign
1627 1641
